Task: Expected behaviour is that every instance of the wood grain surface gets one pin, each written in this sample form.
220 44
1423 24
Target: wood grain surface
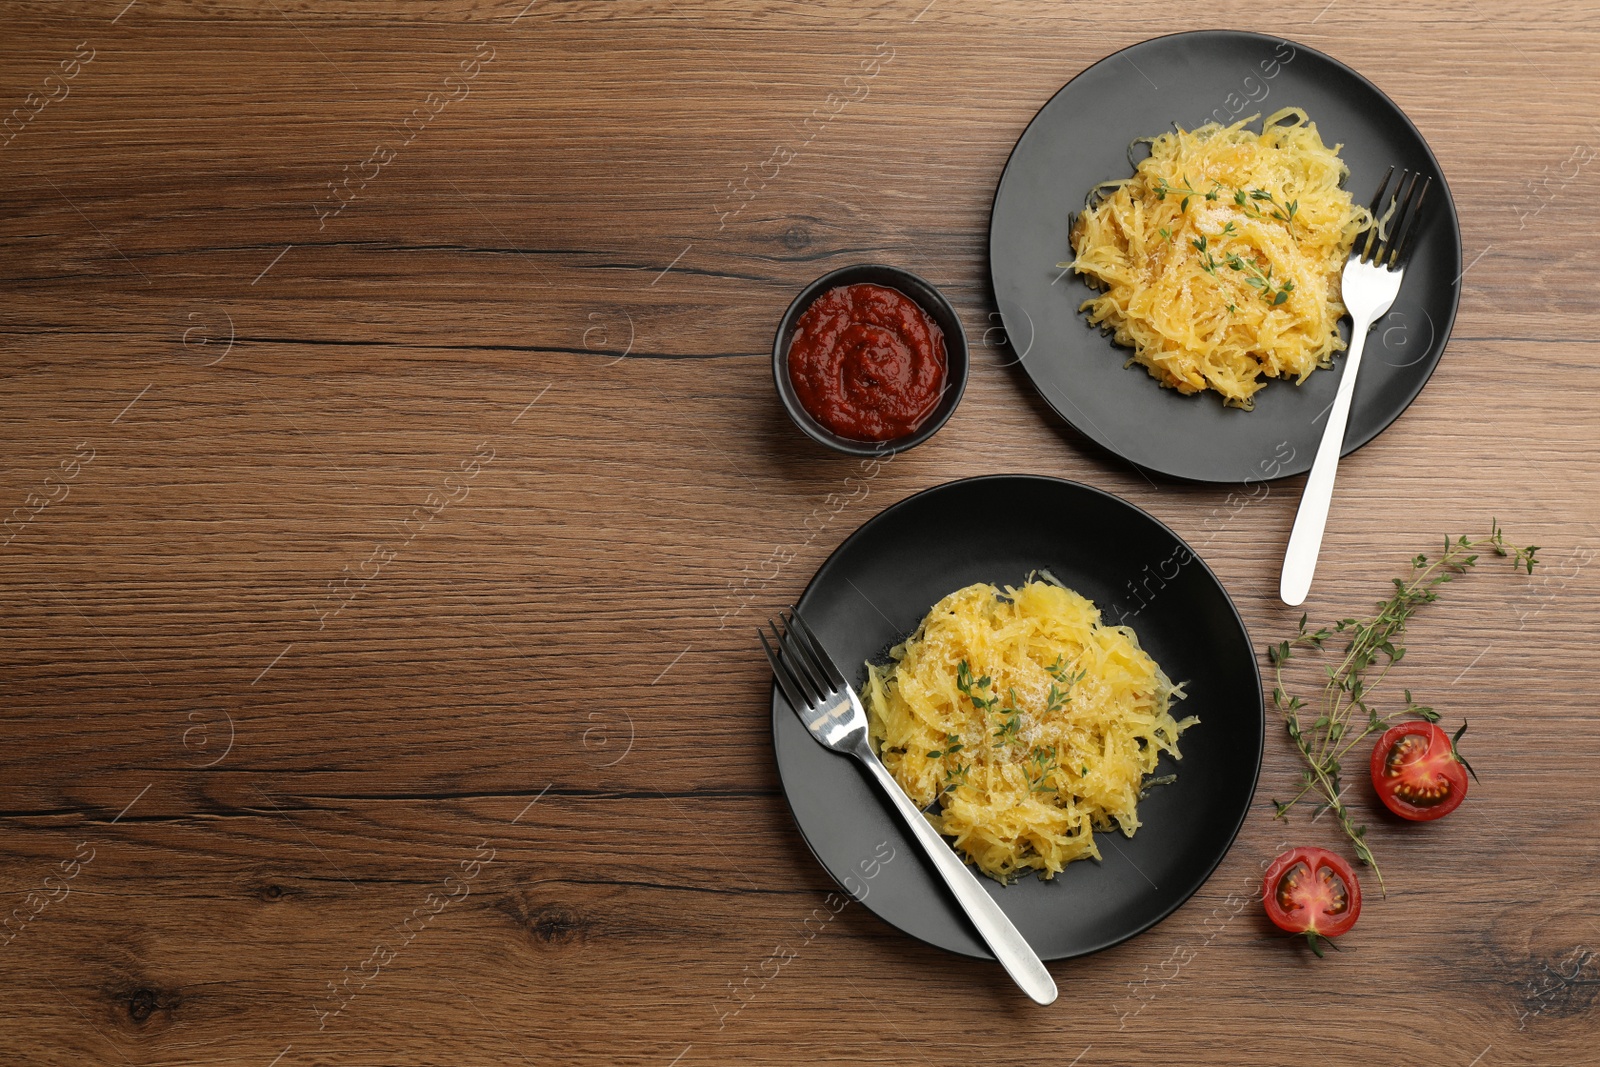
387 529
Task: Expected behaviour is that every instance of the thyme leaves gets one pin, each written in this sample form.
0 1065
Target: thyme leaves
1345 712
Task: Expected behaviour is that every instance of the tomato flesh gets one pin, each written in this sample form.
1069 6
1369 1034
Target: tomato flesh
1312 891
1416 773
1321 893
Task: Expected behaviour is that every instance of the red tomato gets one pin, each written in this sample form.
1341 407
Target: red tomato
1417 773
1314 892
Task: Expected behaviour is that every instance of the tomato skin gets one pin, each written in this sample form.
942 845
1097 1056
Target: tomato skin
1300 893
1416 773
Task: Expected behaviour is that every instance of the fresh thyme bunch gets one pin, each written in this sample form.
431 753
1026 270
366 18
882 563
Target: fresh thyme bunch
1344 713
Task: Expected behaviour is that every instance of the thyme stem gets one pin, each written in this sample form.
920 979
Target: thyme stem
1379 637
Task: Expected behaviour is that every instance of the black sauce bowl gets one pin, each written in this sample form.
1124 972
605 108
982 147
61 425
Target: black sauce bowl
924 296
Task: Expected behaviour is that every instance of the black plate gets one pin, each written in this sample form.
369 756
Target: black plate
1081 138
879 584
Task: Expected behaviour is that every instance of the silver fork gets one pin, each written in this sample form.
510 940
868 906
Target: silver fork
832 711
1370 283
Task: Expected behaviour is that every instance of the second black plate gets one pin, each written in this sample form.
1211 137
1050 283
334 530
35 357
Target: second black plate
1081 138
877 586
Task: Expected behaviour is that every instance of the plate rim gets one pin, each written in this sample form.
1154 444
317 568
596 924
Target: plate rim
778 705
1444 333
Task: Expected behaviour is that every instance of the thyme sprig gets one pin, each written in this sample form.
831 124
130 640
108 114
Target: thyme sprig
1010 728
1043 762
967 684
1010 725
955 776
1187 191
1345 713
1273 293
1064 679
1249 201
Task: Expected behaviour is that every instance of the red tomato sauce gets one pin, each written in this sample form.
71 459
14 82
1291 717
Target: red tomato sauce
867 362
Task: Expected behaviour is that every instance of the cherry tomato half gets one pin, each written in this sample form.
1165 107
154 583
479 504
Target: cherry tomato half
1312 891
1417 773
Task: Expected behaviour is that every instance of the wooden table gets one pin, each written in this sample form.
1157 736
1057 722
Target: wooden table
399 479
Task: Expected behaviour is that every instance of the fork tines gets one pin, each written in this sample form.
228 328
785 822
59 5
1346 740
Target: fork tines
804 671
1395 239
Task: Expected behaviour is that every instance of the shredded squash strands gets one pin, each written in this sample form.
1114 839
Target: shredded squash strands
1031 722
1220 258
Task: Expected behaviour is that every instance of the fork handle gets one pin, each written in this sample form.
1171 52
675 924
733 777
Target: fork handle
997 931
1305 541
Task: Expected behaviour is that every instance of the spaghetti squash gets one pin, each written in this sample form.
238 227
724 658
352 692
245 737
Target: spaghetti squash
1031 723
1219 260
